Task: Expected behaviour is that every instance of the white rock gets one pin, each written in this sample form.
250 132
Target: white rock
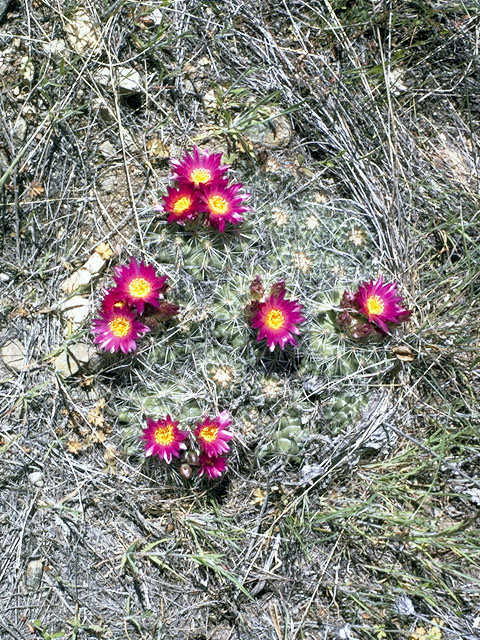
125 79
108 183
344 633
27 70
310 472
210 99
19 130
404 606
77 279
156 16
474 495
94 264
76 309
107 149
7 57
82 276
13 355
274 133
128 139
55 47
69 361
36 478
395 80
33 574
82 34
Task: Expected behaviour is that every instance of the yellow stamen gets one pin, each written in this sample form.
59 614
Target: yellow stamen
275 319
375 305
139 288
200 176
181 205
164 435
218 205
120 326
208 433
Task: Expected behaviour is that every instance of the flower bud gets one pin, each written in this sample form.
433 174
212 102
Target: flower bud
256 289
251 309
362 330
166 310
278 288
348 301
344 319
185 471
191 457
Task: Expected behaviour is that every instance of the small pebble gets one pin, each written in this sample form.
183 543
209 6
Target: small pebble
404 606
33 574
13 355
36 478
77 355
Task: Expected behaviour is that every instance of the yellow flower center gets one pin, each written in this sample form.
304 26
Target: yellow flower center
181 205
275 319
200 176
208 433
164 435
120 326
139 288
375 305
218 205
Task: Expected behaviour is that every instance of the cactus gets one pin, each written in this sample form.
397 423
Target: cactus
201 251
289 439
331 351
228 310
208 356
343 410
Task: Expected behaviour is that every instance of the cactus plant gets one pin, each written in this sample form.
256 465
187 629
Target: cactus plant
343 410
289 439
207 356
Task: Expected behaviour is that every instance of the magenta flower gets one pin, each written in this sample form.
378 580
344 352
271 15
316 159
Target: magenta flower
163 438
139 284
113 299
199 170
118 329
222 204
380 303
276 320
181 203
211 466
213 436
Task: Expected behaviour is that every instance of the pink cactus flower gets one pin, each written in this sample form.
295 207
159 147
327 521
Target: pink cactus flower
212 466
163 438
199 170
181 203
277 319
381 304
139 284
118 329
213 435
223 204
